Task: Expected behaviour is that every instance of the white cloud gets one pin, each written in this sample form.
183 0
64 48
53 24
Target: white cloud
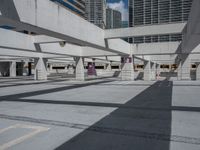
120 6
0 13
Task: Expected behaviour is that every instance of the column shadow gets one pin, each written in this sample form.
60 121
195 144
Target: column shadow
130 128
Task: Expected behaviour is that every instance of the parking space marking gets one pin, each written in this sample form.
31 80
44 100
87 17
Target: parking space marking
37 129
6 129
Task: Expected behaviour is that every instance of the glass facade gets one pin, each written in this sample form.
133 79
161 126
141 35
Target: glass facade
149 12
157 38
76 6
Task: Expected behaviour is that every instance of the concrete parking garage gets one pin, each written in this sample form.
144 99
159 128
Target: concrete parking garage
67 84
105 114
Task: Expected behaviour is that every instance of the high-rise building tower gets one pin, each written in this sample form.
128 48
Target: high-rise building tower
76 6
149 12
96 12
113 19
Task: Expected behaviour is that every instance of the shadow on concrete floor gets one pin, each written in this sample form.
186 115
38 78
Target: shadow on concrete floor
128 129
16 97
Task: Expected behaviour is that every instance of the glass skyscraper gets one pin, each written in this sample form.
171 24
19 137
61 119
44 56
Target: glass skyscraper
113 19
96 12
149 12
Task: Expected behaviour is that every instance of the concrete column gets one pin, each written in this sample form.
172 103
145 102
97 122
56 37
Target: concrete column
158 68
198 71
127 72
184 68
153 71
105 66
40 69
179 71
108 67
13 69
51 67
157 71
80 73
147 70
25 68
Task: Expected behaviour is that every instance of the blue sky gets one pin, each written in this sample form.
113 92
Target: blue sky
120 5
117 1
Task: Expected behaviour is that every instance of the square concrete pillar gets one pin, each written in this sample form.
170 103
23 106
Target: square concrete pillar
198 72
179 72
25 69
50 67
13 69
158 69
80 71
40 69
127 71
153 71
108 67
184 68
147 70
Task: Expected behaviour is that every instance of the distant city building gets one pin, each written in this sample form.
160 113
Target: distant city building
76 6
149 12
125 24
113 19
95 12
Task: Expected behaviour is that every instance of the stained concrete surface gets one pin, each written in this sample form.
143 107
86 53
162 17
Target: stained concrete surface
101 114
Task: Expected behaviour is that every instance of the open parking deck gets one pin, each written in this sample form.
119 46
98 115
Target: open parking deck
66 84
99 114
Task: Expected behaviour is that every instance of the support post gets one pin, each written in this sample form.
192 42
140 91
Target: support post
80 73
108 66
184 68
127 72
40 69
25 69
153 71
147 70
198 71
13 69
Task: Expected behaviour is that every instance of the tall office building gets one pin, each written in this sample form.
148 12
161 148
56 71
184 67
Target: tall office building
113 19
96 12
149 12
76 6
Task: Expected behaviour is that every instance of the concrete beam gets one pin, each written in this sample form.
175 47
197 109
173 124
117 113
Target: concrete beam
37 16
172 28
160 48
92 52
45 39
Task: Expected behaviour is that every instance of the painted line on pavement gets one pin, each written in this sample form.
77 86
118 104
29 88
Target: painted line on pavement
37 130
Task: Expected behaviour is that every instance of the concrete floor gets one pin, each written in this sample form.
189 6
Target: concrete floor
103 114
